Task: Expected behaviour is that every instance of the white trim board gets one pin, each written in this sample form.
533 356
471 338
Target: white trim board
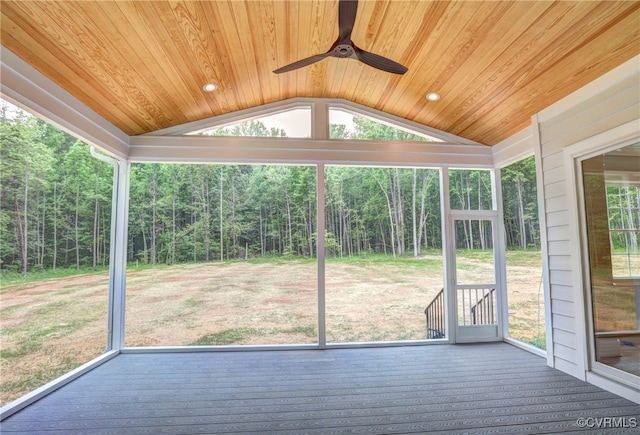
30 90
513 149
614 387
26 400
544 240
305 151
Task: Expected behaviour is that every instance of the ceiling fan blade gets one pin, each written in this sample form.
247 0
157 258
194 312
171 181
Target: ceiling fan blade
300 63
347 10
379 62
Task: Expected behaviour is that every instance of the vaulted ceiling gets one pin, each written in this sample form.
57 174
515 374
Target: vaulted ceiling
142 64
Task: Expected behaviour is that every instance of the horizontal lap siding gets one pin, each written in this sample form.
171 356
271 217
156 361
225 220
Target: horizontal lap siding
566 337
557 233
557 204
566 308
564 323
554 190
564 293
562 247
560 277
560 262
614 105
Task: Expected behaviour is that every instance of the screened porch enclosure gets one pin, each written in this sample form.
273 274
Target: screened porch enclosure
237 262
365 242
336 248
260 272
343 251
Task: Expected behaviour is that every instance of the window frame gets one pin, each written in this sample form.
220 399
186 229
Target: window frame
574 155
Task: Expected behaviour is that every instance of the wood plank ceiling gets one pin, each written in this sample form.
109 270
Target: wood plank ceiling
142 64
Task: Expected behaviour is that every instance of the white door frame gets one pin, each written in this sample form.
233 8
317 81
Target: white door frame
476 333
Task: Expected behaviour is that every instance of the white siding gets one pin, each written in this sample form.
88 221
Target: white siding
563 292
554 190
607 103
562 247
566 337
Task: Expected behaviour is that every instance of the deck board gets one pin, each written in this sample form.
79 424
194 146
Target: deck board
479 388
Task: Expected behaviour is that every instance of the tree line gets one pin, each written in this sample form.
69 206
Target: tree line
55 203
55 198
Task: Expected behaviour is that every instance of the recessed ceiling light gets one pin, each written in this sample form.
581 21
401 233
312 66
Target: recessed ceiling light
210 87
433 96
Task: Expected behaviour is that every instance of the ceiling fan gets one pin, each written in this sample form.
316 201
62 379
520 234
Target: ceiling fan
344 46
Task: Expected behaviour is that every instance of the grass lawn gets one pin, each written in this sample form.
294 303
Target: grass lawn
51 325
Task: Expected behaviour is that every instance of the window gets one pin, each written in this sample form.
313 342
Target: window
612 202
290 123
347 125
623 208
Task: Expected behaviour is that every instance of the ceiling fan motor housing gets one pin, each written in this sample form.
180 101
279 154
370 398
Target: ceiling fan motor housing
344 50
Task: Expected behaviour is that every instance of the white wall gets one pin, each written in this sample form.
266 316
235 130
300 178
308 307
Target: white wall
611 101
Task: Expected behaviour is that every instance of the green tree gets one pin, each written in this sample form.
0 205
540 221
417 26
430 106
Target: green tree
25 161
88 185
520 204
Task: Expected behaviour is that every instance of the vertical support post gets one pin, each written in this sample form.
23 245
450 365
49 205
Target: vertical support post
319 120
544 247
448 256
114 199
500 257
115 195
320 247
119 256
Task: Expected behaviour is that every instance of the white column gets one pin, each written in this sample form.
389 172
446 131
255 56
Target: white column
448 261
119 257
320 251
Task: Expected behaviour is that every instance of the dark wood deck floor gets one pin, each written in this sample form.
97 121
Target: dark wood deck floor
479 388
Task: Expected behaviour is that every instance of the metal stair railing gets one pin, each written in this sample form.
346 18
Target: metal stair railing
434 314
